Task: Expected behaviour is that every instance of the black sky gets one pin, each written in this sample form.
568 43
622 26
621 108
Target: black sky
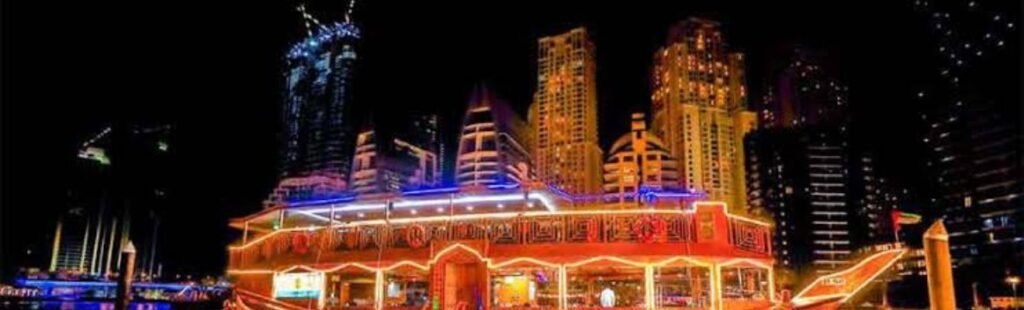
213 70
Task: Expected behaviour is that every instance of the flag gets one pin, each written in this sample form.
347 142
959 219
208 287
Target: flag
903 218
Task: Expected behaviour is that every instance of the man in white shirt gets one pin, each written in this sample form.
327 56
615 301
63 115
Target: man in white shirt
607 298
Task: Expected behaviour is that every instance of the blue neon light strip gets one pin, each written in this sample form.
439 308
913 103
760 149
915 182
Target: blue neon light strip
60 283
648 194
310 45
349 198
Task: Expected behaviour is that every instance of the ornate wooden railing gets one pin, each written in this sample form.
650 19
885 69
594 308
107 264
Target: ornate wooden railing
637 227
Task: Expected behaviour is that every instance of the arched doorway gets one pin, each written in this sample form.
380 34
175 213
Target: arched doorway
460 280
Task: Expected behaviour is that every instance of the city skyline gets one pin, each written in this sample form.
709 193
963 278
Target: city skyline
259 134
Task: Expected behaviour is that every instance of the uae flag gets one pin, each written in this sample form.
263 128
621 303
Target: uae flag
903 218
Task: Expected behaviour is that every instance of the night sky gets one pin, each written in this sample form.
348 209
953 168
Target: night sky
214 71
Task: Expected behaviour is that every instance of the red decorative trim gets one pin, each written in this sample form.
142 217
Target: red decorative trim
300 243
593 234
352 239
416 236
650 229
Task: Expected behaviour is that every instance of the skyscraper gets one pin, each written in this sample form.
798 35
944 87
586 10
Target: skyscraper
383 163
802 90
822 192
639 160
564 113
800 178
317 139
119 189
806 171
973 133
493 143
699 106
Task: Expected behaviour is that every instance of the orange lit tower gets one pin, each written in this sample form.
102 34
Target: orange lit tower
564 114
493 142
699 105
940 268
638 160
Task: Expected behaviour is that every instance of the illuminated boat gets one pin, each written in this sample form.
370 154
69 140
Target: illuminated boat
508 248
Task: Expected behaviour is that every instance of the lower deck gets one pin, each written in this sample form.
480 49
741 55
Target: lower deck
464 276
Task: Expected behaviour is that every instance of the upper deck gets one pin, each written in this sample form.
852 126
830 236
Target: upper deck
504 222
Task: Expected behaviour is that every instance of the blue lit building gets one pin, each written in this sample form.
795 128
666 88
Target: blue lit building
318 93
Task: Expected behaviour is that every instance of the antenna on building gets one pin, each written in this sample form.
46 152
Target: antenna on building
348 13
307 19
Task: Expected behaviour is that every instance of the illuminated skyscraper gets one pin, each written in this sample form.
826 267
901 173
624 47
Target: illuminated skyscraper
806 172
317 139
564 113
493 144
803 179
387 164
973 133
638 160
699 106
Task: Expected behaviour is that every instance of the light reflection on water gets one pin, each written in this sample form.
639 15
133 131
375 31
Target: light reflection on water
80 305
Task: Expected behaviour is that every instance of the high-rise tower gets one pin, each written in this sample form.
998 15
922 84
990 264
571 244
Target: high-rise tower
973 133
316 153
803 89
564 113
387 162
699 106
493 142
317 94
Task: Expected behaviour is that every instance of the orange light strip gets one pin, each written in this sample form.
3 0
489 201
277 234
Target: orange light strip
563 288
608 258
649 297
802 300
716 287
250 271
503 215
682 258
492 265
524 259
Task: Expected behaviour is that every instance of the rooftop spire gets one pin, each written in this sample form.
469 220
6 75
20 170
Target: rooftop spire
348 13
307 19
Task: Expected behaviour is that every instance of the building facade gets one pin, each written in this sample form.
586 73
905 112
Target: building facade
699 106
566 151
385 164
971 128
638 161
318 92
493 146
802 90
801 179
107 209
